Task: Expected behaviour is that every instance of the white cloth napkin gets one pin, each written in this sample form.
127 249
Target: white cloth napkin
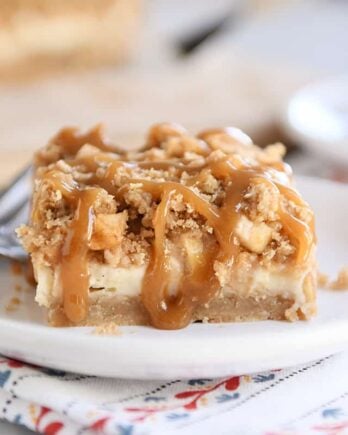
308 399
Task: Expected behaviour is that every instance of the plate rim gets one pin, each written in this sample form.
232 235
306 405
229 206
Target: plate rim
12 328
320 147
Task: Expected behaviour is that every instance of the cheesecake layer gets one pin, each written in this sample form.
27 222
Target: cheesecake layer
121 287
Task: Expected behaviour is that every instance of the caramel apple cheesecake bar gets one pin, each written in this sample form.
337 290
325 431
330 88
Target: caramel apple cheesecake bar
188 228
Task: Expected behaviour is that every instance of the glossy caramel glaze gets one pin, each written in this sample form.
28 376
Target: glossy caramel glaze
168 308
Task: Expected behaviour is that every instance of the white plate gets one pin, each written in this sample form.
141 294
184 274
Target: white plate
200 350
317 117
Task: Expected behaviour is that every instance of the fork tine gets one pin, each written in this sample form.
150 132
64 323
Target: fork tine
10 245
15 196
16 252
20 217
14 209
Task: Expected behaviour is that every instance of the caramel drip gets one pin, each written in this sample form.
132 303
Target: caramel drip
74 261
71 140
158 189
164 311
169 308
291 195
195 287
233 133
74 255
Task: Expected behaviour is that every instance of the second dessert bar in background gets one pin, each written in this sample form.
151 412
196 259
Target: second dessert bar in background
41 36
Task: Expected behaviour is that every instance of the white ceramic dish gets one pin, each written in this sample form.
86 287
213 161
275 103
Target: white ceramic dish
317 117
200 350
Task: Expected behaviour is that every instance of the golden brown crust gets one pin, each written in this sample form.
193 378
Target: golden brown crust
130 311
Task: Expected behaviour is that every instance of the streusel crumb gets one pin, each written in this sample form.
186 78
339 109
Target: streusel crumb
109 328
341 282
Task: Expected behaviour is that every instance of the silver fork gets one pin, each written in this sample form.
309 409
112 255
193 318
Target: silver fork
14 210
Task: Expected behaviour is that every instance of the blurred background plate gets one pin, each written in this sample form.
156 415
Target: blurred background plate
317 117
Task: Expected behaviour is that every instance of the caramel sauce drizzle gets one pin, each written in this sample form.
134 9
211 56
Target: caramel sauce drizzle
197 285
74 262
71 140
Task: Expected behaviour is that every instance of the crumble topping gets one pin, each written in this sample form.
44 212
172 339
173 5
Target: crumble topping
260 201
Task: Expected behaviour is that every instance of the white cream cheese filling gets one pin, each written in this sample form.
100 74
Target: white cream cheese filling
127 282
